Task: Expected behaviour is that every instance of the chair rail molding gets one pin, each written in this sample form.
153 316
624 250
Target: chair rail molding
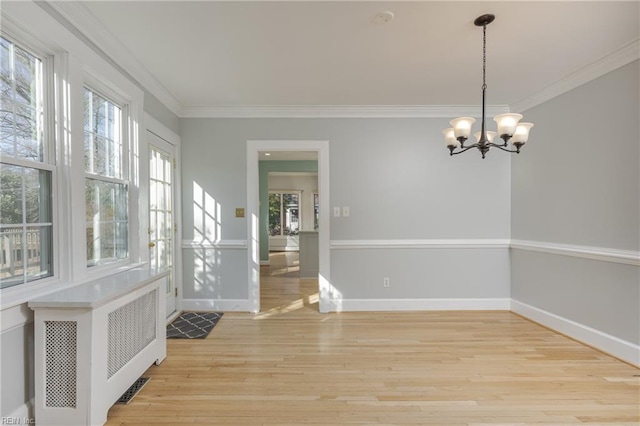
220 244
420 244
628 257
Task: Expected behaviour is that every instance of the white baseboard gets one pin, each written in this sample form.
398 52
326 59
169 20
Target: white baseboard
224 305
265 263
23 414
497 304
607 343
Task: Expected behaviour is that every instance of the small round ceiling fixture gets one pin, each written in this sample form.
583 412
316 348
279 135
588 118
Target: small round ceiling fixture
383 17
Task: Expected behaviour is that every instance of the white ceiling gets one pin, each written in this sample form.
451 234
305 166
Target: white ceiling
288 156
210 53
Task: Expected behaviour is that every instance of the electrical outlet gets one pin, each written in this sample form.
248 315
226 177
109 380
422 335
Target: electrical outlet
385 282
336 212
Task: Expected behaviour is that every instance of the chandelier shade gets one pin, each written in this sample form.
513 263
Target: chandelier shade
510 129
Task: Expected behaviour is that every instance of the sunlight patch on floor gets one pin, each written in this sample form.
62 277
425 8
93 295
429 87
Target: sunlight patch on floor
288 307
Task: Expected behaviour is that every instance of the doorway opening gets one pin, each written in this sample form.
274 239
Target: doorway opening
260 225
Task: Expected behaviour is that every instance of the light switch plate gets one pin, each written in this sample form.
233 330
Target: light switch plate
346 211
336 212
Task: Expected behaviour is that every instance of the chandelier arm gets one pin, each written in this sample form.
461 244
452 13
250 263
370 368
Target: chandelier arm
504 149
466 148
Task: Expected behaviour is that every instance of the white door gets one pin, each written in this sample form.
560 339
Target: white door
162 221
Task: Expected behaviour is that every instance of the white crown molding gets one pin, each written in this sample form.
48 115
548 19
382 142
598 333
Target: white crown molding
418 244
346 111
604 342
621 57
79 16
627 257
355 305
221 244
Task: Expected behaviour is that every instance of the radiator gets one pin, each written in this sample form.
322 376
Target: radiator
92 342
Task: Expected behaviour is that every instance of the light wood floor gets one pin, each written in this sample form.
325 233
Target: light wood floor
291 365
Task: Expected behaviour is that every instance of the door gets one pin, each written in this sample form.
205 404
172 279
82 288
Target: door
162 225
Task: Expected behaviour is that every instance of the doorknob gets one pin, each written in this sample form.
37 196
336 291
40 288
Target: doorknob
152 245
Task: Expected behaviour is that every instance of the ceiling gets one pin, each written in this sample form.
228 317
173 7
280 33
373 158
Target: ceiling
265 53
288 156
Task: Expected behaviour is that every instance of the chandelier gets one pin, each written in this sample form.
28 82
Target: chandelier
509 127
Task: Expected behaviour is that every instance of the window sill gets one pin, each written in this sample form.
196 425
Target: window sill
21 294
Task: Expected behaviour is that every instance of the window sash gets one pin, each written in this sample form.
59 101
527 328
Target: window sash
15 136
27 229
107 230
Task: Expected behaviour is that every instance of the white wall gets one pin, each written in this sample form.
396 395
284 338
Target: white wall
401 186
576 187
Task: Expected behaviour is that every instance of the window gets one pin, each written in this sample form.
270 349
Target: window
26 219
106 187
316 210
284 215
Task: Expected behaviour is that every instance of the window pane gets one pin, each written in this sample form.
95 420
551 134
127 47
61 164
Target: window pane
100 156
274 214
11 256
122 240
26 77
5 61
103 147
88 107
7 132
316 210
27 133
291 219
11 194
38 252
107 222
37 196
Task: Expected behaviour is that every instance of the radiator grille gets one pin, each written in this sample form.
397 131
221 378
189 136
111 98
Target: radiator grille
60 363
131 328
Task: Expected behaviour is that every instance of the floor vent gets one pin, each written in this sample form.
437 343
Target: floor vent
133 390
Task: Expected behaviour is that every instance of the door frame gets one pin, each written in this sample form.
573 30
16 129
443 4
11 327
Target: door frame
163 132
254 147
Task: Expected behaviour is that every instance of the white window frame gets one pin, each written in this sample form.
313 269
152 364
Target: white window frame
120 93
125 180
49 140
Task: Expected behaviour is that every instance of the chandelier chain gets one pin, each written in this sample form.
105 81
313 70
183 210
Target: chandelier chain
484 57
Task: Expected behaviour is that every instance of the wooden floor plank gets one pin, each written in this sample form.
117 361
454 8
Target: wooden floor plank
290 365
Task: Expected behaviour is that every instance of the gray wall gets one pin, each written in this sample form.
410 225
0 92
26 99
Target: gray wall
577 182
157 110
399 182
16 368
